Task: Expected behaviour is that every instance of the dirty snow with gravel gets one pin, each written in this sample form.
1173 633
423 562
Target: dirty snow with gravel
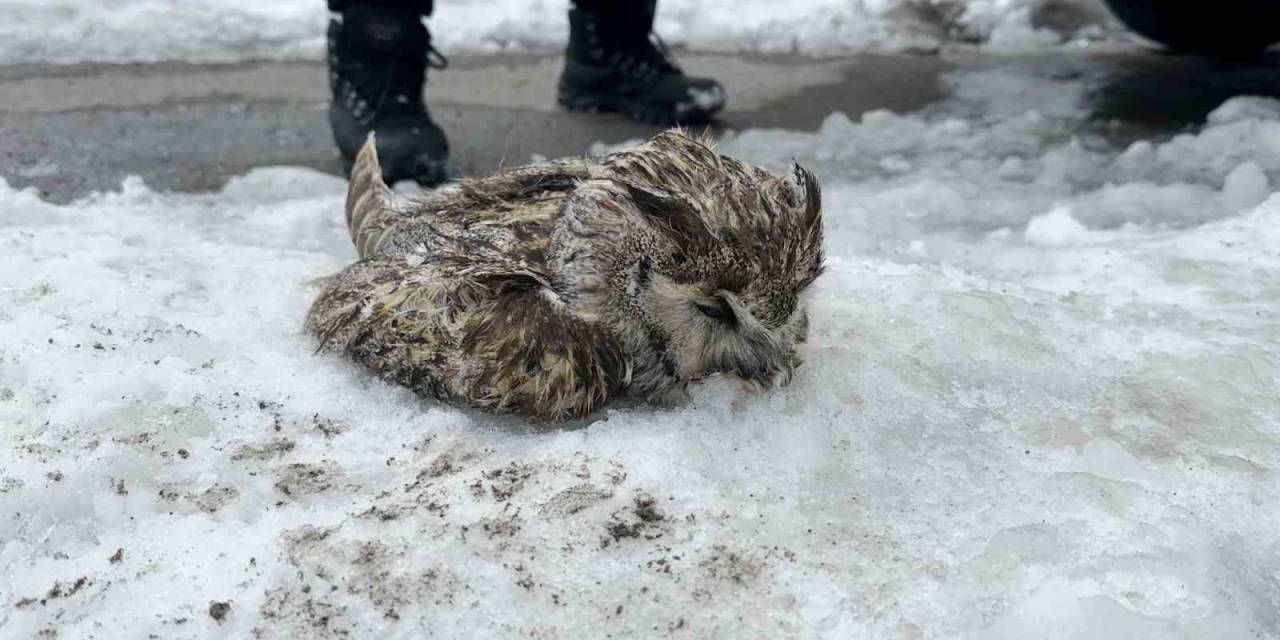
65 31
1040 401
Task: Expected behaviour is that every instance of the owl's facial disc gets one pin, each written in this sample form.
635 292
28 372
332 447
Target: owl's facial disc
718 333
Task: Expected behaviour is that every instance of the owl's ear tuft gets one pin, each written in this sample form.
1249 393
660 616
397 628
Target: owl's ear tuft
808 192
809 211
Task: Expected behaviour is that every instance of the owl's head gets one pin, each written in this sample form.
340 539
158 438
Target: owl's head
724 284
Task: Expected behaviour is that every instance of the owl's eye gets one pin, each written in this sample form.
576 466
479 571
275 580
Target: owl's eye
718 309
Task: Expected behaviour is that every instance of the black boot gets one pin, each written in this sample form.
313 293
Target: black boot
615 63
378 58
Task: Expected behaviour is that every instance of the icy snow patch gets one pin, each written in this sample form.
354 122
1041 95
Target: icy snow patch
1055 229
992 438
1246 186
65 31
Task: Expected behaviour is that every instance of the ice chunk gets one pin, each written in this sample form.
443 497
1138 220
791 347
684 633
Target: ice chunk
1245 108
1055 229
1245 187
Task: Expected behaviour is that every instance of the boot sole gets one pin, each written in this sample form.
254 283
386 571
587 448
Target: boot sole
646 114
429 173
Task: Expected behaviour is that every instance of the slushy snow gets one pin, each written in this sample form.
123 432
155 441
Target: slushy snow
65 31
1040 402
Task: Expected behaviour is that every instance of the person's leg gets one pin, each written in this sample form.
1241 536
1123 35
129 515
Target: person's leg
614 63
379 51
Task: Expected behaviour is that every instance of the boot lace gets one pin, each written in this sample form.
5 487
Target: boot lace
369 91
648 61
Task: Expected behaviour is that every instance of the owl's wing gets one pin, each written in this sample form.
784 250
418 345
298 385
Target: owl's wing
486 332
533 356
519 233
511 213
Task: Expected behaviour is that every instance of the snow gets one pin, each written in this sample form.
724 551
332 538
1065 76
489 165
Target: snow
1040 401
1055 229
66 31
1245 186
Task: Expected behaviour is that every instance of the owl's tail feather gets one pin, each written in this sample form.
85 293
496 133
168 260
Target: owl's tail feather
370 202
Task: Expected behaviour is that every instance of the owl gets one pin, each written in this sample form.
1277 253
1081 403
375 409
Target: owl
550 289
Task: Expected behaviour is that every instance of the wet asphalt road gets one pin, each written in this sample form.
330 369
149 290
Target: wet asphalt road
71 130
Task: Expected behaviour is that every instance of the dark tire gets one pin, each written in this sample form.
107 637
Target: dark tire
1226 28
